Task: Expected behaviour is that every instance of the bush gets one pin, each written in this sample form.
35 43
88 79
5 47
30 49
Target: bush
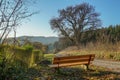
36 57
16 67
28 48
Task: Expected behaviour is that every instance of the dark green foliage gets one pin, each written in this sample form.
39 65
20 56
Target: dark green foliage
18 71
23 54
28 48
109 34
15 61
15 73
38 56
10 68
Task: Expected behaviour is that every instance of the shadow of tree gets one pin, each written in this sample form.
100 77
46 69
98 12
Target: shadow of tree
81 74
106 75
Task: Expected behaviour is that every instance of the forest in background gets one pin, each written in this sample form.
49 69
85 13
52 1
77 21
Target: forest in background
107 36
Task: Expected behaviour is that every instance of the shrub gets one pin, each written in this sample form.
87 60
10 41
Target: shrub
36 57
13 67
28 48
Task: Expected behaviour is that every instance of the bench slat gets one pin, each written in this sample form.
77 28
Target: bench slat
68 64
72 60
79 56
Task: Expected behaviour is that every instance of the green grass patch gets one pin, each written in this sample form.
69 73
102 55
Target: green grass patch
49 56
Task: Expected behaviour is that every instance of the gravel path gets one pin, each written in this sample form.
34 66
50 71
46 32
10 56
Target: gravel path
113 65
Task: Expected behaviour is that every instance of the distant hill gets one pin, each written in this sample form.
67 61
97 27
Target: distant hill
42 39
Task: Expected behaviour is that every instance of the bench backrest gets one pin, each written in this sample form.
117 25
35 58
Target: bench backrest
83 59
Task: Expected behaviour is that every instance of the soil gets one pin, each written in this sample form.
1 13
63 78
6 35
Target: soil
112 65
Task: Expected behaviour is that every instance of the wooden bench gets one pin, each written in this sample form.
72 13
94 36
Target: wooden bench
72 60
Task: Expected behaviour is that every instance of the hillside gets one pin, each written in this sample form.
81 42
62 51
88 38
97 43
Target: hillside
42 39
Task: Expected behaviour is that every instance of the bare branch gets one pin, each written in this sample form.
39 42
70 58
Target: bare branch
73 21
11 14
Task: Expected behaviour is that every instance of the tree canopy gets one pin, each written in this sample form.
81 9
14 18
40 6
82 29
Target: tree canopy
74 20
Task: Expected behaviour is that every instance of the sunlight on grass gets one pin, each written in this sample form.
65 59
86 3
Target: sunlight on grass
101 51
49 56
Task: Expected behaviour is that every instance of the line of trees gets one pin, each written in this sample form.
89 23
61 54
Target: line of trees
106 35
109 34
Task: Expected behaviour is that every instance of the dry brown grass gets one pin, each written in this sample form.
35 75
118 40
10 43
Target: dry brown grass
103 51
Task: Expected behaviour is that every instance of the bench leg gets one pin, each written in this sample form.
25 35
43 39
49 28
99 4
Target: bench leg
87 66
57 70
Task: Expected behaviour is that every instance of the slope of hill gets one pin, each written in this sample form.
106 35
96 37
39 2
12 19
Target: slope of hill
42 39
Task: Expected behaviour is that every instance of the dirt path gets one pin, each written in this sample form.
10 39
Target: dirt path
112 65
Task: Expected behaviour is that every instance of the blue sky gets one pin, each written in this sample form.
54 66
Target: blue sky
38 25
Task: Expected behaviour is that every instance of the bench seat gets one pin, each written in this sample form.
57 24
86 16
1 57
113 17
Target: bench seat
72 60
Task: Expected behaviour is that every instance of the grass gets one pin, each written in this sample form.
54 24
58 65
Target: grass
41 70
49 56
75 72
102 51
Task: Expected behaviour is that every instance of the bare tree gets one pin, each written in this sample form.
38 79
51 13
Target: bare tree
11 14
72 21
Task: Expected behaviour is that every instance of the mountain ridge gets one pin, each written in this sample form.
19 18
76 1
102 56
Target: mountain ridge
42 39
